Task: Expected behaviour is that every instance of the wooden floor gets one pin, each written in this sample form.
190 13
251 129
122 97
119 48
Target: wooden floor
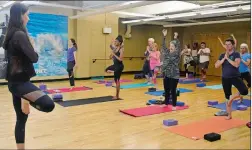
102 126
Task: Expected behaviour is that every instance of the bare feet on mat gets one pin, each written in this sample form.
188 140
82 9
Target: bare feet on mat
228 117
25 106
241 100
174 108
115 98
72 87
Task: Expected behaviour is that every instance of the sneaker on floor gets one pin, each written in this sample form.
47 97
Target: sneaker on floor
221 113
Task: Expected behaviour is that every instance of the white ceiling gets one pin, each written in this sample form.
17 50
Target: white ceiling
140 10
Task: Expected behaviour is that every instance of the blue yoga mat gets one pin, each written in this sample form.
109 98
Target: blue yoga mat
189 81
159 93
97 78
136 85
235 104
214 87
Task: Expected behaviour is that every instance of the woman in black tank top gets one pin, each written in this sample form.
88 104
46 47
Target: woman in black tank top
117 68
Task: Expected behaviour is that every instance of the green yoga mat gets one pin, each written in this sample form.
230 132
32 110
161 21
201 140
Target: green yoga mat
135 85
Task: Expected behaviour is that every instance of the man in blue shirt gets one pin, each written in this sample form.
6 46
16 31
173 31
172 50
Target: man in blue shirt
245 63
230 62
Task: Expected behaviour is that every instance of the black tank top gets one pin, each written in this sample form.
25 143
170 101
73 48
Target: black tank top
116 61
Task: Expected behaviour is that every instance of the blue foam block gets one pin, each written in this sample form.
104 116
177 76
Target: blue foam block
212 102
201 84
108 84
57 96
136 85
170 122
160 93
152 101
242 107
180 104
235 104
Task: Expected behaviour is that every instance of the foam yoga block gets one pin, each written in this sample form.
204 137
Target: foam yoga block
57 97
138 76
212 137
242 107
201 84
190 75
108 84
180 104
152 89
102 81
170 122
152 101
212 102
43 87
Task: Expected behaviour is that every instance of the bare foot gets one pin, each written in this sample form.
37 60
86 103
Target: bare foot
25 106
228 117
115 98
72 87
241 100
174 108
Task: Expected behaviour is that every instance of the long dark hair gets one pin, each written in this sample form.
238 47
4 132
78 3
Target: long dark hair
15 22
74 43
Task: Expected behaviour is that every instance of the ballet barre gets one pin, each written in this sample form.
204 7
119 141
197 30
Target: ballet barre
130 58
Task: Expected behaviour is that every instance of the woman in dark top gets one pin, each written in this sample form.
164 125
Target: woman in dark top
230 62
71 60
21 56
170 68
117 67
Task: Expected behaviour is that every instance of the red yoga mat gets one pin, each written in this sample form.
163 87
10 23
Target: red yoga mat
121 81
64 90
197 130
150 110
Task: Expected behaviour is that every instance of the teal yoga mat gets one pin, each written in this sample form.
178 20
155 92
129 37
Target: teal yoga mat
135 85
214 87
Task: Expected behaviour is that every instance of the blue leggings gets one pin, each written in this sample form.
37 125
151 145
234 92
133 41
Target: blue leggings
38 99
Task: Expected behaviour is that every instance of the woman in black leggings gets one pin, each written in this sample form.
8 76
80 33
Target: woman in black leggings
117 67
170 68
21 56
71 60
230 62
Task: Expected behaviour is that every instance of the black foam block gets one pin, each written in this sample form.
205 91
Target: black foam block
212 137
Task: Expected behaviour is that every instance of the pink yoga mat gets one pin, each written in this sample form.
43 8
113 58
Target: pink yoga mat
64 90
150 110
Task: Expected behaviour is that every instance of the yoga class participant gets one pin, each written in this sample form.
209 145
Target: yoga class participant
21 57
204 53
71 60
117 68
170 68
154 62
230 62
146 67
187 53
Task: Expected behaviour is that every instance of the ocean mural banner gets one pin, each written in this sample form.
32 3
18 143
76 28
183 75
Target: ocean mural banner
50 35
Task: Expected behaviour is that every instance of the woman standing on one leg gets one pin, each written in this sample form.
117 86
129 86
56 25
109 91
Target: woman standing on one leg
21 56
204 53
117 67
195 56
170 68
146 66
71 60
230 62
154 62
187 58
245 64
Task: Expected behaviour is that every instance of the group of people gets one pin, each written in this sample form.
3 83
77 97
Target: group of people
21 56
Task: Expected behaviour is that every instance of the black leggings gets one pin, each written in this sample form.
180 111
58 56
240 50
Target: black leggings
247 77
192 63
70 66
170 88
118 68
237 82
37 99
146 68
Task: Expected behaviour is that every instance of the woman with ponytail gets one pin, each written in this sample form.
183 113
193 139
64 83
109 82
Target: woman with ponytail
71 60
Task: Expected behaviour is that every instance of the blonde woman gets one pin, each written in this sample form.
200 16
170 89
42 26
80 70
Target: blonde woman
187 53
154 62
245 64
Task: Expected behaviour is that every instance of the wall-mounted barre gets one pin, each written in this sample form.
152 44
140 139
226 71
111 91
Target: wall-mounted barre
130 58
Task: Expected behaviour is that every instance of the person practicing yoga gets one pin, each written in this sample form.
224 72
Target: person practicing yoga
117 56
21 56
245 64
188 59
230 62
170 68
195 56
146 67
71 60
154 62
204 53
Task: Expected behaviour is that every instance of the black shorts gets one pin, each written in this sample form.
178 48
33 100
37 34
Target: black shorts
118 69
204 65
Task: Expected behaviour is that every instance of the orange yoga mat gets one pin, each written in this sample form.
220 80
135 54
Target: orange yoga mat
197 130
